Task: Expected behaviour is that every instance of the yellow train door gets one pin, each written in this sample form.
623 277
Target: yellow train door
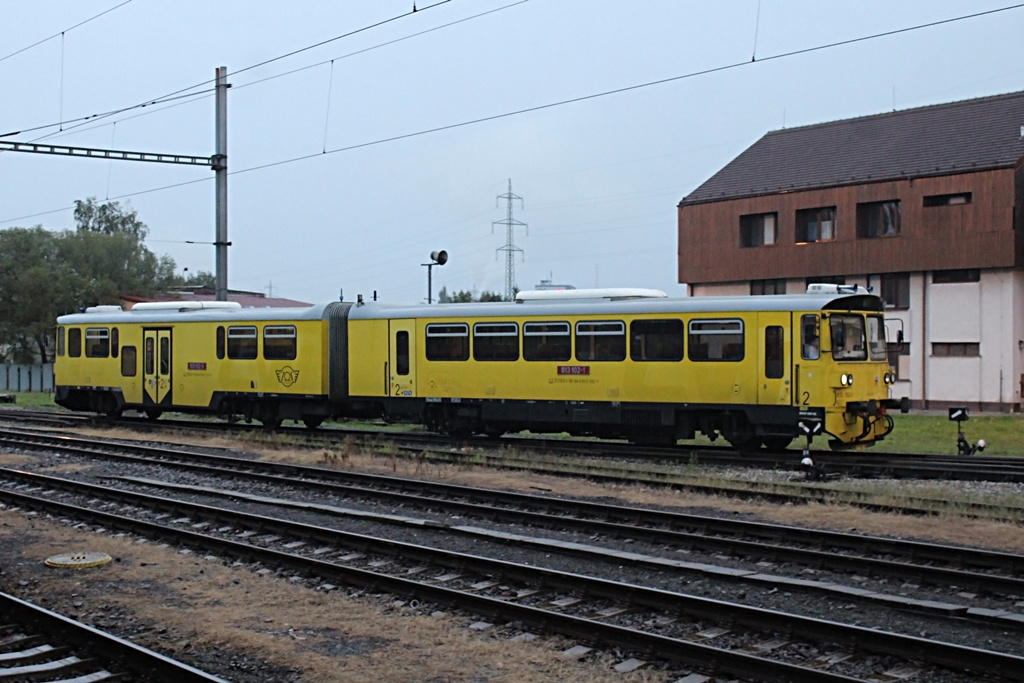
156 367
401 359
775 359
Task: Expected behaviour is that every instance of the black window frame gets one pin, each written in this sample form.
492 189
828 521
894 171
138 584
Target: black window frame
547 341
700 351
447 342
806 218
895 290
956 276
496 341
956 349
653 340
599 341
274 348
879 219
767 287
754 228
951 199
237 349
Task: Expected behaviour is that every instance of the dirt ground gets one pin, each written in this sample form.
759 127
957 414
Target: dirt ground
251 627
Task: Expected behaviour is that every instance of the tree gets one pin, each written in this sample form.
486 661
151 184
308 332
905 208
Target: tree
108 218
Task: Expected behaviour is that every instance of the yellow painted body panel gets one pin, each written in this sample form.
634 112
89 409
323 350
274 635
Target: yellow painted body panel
368 357
195 371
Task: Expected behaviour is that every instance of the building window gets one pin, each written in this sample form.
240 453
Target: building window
946 277
878 219
496 341
597 341
547 341
757 229
895 352
946 349
948 199
656 340
896 290
716 340
448 341
816 225
758 287
279 342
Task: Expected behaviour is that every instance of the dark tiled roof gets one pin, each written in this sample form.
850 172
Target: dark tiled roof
956 137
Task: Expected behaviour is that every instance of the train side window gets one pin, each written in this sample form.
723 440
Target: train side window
115 340
656 340
547 341
97 342
810 337
716 340
447 341
279 342
496 341
60 340
242 343
75 342
149 356
402 353
129 362
774 352
597 341
221 342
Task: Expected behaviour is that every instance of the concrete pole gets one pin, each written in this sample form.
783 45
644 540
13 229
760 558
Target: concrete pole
220 165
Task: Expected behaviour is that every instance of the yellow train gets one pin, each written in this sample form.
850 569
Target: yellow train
612 363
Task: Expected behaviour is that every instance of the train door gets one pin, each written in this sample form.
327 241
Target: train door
156 367
401 360
775 359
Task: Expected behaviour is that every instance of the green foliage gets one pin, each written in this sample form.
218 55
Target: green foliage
464 297
45 274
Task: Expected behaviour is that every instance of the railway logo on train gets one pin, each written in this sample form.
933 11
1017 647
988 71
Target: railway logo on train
613 363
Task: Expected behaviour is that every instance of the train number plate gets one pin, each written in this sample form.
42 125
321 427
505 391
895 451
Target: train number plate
573 369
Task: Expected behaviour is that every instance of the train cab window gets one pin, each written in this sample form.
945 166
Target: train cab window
279 342
447 341
221 342
97 342
716 340
60 340
810 337
129 361
598 341
496 341
656 340
242 342
774 352
847 337
402 353
547 341
877 349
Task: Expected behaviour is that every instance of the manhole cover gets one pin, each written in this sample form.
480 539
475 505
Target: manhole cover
77 560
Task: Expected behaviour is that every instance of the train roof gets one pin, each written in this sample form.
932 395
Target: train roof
544 307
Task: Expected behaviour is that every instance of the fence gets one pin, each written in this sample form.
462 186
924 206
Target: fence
38 377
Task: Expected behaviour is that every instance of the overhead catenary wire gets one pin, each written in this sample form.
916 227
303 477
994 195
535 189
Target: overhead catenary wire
559 103
61 33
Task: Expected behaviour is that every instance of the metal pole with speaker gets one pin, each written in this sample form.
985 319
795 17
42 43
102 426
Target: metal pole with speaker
437 258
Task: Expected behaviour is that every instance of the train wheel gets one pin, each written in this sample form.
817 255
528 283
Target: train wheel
312 422
153 413
777 443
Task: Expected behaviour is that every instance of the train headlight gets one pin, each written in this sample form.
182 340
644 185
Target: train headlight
846 379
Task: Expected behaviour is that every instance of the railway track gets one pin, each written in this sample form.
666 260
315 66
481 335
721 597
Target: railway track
477 576
39 645
858 464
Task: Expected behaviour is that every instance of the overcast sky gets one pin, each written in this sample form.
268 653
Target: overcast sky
600 178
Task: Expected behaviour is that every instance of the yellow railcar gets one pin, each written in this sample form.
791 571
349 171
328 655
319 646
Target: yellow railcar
754 370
